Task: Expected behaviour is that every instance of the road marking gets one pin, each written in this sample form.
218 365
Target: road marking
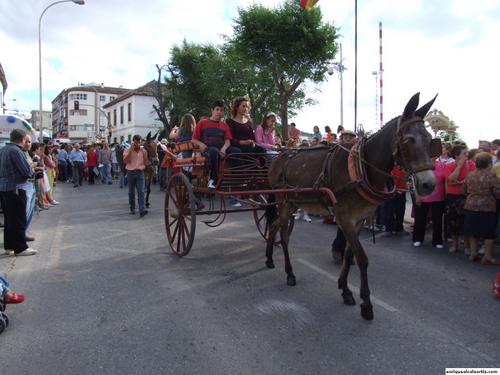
354 289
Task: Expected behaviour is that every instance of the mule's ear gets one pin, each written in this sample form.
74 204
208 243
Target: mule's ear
148 137
411 106
422 111
156 135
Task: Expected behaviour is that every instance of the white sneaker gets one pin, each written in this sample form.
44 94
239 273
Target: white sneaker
54 202
28 251
211 185
298 216
481 250
306 218
439 246
466 251
237 204
417 244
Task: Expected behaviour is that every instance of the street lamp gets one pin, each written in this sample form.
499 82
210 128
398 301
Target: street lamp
8 100
79 2
97 116
340 68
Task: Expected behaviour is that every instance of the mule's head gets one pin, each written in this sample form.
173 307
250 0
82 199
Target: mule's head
151 148
412 144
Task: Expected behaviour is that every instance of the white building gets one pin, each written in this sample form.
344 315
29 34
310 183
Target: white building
46 120
133 113
77 112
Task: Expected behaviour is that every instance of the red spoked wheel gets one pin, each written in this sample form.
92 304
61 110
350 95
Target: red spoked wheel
180 214
261 221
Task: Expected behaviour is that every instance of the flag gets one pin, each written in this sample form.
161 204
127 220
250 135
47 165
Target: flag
308 4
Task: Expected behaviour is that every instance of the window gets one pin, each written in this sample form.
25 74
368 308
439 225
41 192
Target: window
129 138
78 97
80 112
114 117
111 98
122 138
102 98
81 128
121 115
129 110
109 117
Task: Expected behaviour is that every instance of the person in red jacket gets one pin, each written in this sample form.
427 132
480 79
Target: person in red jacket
394 209
91 164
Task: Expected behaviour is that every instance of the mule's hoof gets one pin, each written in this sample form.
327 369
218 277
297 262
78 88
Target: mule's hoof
349 300
290 281
367 314
270 264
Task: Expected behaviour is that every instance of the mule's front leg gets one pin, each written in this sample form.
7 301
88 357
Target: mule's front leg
148 191
342 281
366 306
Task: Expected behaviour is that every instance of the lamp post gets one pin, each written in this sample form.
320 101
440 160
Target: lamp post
79 2
340 68
8 100
97 117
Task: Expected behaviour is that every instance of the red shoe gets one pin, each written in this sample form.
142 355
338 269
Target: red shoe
16 298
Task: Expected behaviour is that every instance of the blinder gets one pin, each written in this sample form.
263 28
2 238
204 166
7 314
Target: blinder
435 148
407 150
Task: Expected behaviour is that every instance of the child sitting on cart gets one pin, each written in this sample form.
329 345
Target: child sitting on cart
213 137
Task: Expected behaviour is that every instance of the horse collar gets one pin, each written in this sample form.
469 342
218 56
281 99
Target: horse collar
357 173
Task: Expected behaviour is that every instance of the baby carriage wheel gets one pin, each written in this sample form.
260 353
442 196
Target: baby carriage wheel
6 318
3 324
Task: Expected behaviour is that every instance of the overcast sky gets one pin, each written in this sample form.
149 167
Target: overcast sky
447 47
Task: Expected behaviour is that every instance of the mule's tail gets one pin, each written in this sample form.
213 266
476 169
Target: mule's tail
271 211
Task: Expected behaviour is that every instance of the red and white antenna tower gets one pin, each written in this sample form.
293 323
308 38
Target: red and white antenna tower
381 78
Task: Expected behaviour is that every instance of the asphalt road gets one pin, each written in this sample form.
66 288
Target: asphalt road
106 295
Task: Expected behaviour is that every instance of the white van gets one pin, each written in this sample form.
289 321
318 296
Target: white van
11 122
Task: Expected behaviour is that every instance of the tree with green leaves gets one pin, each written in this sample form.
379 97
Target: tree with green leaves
198 74
288 43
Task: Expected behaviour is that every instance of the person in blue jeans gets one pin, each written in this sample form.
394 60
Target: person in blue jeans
62 158
213 137
136 160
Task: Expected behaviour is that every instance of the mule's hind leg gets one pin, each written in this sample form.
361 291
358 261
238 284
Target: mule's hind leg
285 215
342 281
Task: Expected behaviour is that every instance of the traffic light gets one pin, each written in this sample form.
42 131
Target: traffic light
77 105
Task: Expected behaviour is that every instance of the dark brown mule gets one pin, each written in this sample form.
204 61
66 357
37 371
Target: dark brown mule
404 141
150 171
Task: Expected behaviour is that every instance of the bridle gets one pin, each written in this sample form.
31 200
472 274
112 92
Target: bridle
406 147
152 159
